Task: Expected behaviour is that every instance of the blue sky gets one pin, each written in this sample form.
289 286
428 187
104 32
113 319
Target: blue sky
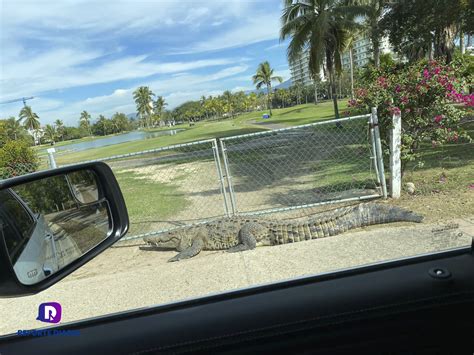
91 55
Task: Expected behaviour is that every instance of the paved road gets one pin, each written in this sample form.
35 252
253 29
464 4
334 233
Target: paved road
270 125
124 278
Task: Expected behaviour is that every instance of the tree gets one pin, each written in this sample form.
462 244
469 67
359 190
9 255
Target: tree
264 76
204 105
120 122
297 92
50 132
229 104
240 101
143 98
159 106
102 125
252 98
59 128
13 129
323 27
29 118
17 158
373 11
350 48
85 121
427 28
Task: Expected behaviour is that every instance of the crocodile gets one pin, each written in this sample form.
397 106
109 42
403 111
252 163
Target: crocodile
241 233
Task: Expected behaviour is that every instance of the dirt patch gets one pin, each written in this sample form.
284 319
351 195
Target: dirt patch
439 206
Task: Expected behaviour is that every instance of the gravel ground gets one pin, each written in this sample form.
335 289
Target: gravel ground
124 277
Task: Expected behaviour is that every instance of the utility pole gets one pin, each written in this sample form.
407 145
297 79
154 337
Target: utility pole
22 99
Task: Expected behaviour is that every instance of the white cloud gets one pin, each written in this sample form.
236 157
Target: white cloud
256 28
285 74
275 46
242 88
74 68
176 90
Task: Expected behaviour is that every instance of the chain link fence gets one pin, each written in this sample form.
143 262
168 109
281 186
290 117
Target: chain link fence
170 187
16 169
301 167
292 172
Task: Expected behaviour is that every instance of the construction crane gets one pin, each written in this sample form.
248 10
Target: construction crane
17 100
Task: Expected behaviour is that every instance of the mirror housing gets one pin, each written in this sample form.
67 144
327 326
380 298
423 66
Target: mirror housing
10 285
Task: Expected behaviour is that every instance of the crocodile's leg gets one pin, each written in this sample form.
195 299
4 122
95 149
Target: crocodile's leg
247 237
187 253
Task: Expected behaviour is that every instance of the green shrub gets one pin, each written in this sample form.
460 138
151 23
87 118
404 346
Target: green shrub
430 97
17 158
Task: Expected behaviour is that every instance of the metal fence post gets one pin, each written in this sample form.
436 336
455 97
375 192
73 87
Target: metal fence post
228 177
52 161
374 150
395 162
378 147
215 151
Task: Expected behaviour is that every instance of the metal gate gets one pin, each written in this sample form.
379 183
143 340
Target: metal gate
304 166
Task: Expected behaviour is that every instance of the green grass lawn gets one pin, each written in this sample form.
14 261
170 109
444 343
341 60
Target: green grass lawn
166 200
245 123
445 168
303 114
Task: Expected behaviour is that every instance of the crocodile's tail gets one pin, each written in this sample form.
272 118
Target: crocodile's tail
341 220
366 214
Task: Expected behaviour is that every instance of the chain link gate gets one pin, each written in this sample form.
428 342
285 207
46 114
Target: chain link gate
304 166
170 187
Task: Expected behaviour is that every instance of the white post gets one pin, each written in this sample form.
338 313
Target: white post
395 162
52 162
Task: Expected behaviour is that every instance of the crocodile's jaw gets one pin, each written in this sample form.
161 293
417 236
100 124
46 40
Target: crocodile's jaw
165 241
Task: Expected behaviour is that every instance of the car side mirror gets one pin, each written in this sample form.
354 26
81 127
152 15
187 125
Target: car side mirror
52 222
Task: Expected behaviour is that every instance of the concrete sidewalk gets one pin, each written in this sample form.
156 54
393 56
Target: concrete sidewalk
124 278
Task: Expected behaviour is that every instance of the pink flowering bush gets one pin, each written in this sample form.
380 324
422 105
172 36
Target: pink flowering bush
431 97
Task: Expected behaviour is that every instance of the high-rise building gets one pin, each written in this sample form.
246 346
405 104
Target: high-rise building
362 51
361 54
299 69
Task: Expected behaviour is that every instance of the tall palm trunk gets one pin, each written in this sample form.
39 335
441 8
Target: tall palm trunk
351 63
332 79
461 41
269 101
376 48
315 94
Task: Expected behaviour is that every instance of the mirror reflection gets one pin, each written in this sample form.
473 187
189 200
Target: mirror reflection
49 223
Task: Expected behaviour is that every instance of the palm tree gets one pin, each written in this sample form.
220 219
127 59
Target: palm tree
85 121
322 27
13 128
373 11
102 124
229 102
203 102
143 98
350 47
59 128
50 132
31 119
264 76
159 106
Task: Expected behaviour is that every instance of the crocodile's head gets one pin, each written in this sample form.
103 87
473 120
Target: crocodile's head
176 240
